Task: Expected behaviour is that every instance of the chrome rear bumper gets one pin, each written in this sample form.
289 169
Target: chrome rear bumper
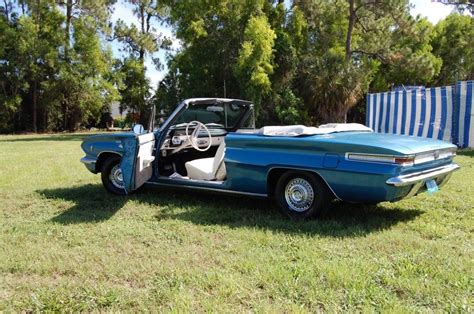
422 176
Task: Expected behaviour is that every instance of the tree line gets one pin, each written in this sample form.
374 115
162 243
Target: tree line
300 61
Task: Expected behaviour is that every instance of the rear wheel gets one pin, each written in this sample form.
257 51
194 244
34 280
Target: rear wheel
111 175
302 195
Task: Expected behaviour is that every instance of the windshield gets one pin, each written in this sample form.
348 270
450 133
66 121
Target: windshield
221 115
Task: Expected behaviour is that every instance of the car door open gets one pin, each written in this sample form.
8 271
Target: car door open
137 161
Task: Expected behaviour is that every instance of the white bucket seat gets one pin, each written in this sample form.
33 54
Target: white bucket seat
208 169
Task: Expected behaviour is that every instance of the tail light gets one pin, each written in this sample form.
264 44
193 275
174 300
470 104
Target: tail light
405 161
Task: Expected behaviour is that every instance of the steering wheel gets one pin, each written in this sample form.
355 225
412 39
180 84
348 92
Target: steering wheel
193 137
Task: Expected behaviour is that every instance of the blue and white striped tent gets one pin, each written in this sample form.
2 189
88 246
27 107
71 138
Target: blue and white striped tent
464 130
445 113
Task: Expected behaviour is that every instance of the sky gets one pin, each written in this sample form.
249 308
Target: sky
426 8
123 11
434 11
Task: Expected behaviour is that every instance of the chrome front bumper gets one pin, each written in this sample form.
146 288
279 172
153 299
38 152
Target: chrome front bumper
423 176
88 161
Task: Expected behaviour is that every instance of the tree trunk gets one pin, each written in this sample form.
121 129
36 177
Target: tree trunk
45 119
342 114
35 83
225 90
67 43
65 114
350 29
35 105
68 29
142 21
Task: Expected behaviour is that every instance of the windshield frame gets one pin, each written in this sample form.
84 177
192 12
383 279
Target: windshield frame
186 104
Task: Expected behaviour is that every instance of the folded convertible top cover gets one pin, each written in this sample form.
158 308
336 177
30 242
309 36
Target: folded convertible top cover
298 130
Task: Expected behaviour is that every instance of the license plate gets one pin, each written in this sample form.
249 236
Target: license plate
432 186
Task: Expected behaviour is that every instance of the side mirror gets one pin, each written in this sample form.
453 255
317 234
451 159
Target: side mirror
138 129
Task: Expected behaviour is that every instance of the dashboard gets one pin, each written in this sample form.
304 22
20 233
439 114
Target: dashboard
176 139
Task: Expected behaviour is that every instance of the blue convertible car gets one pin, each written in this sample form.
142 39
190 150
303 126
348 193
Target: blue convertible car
211 144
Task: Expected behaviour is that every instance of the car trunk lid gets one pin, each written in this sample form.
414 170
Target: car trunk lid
401 144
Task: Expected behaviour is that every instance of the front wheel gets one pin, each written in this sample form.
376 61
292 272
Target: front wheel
111 175
302 195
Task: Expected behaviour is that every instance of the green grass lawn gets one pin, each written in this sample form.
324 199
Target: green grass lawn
66 244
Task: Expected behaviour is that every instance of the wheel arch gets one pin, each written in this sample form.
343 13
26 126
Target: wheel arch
103 156
276 172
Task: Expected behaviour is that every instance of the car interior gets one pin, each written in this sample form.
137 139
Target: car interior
194 146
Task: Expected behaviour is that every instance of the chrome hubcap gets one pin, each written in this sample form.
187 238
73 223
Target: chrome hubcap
116 177
299 195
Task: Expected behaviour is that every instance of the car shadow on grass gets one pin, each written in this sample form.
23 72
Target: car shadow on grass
92 204
341 220
466 152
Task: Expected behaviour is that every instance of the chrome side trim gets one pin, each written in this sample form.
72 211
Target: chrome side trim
347 157
309 170
88 161
413 178
186 179
207 189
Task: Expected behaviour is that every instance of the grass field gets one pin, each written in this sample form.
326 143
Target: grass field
66 244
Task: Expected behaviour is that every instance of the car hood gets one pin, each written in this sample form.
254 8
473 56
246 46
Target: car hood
373 142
